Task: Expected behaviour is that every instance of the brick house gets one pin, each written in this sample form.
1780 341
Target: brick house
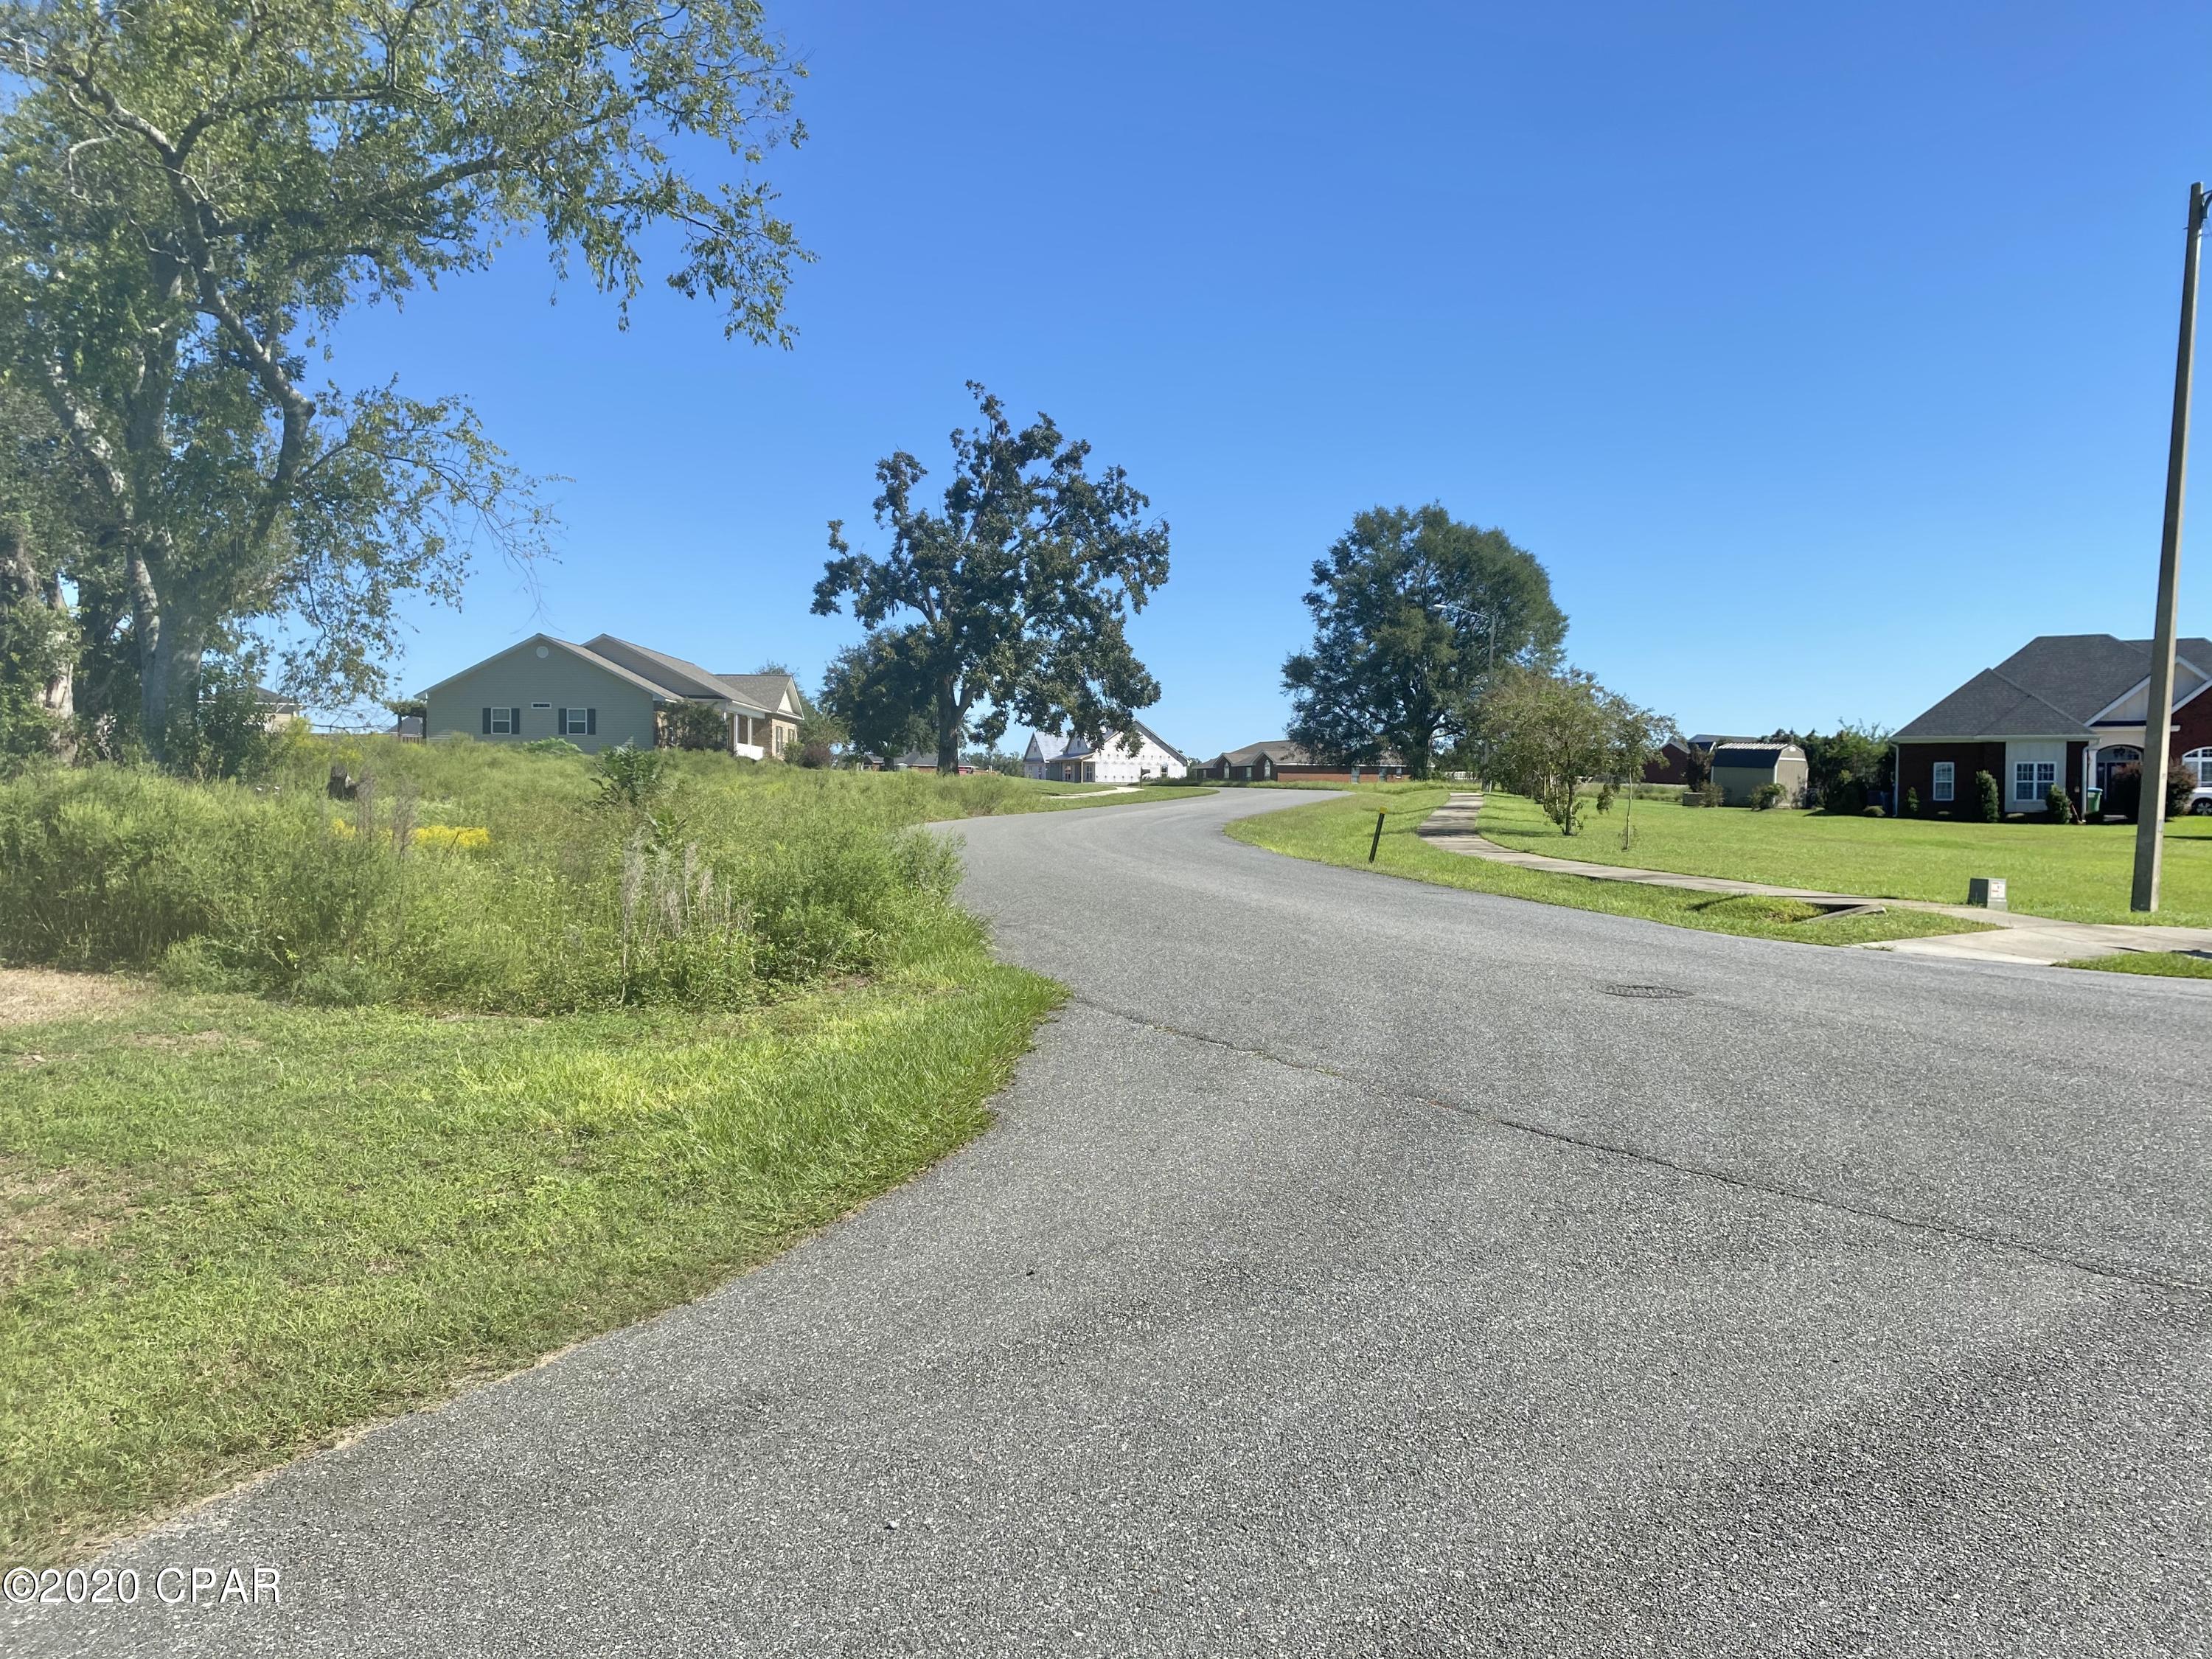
1279 759
2064 709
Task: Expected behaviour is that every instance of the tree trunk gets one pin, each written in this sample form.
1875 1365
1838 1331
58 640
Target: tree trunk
44 607
948 733
169 678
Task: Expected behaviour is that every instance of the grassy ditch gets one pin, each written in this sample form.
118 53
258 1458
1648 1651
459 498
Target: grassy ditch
1338 831
415 1088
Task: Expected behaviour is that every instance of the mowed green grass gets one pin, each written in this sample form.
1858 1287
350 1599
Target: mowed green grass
2167 964
235 1227
2077 873
1338 832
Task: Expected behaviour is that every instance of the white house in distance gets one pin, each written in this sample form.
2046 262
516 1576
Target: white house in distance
1076 760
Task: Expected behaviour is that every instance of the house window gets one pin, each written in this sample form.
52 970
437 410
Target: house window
2199 761
1940 786
577 722
500 722
2031 781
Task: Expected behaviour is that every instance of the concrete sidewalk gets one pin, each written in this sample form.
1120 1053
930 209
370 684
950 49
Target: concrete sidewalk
2016 937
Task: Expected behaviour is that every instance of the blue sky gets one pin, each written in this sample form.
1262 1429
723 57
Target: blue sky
1823 355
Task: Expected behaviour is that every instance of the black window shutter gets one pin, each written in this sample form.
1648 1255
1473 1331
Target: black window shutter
487 727
561 722
591 722
515 722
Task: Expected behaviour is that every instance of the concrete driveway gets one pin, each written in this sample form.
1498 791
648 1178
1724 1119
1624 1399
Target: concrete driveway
1364 1268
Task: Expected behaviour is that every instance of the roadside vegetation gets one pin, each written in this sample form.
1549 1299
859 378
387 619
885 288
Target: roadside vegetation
1340 832
2074 872
2164 964
404 1090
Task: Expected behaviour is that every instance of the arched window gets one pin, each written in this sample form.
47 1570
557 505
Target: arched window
2119 755
2199 761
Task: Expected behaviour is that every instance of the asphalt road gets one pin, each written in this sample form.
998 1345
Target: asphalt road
1353 1273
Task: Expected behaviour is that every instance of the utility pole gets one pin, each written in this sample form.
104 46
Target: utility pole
2158 716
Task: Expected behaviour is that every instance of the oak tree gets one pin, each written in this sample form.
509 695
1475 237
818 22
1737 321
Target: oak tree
1010 599
1411 611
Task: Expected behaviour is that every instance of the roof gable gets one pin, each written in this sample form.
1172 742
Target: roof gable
2053 686
778 693
604 664
676 677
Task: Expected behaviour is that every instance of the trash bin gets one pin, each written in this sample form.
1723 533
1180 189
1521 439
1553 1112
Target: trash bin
2093 805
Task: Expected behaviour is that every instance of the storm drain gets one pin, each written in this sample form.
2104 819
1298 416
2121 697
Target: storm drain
1643 993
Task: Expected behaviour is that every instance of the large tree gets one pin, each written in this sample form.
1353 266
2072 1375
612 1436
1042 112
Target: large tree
1411 611
878 693
1011 599
197 191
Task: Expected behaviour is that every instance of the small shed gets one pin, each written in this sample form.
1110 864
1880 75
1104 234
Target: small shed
1741 768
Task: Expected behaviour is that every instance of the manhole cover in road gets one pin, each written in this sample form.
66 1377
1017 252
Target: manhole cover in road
1644 993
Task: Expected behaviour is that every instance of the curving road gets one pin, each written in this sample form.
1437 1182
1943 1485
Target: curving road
1354 1272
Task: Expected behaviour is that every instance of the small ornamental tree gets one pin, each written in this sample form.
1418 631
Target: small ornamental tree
2059 804
1541 735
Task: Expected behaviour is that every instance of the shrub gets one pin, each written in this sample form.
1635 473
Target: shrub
635 779
2058 804
2180 785
1986 806
549 746
1768 796
476 877
1912 803
816 755
2123 791
1872 812
693 725
1702 794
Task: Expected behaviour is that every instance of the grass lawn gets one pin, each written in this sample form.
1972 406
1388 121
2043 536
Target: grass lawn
2167 964
2077 873
231 1228
1337 832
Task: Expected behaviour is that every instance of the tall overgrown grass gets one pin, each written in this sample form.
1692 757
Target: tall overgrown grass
726 882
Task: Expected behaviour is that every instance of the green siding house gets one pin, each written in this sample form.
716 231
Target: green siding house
604 693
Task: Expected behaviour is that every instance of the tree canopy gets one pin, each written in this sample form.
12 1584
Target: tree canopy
1411 610
1011 599
197 191
876 693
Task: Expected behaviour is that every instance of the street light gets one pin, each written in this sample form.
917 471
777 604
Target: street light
2158 716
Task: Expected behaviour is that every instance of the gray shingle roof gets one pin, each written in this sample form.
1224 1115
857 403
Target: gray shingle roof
1761 756
765 690
2051 687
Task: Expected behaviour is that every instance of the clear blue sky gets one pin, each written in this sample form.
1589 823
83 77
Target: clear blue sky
1822 355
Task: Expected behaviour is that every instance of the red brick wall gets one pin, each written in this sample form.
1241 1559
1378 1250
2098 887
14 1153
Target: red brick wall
1916 769
2193 724
1667 767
